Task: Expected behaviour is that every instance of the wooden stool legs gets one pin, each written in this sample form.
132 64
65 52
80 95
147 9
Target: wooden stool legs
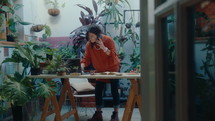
58 106
133 98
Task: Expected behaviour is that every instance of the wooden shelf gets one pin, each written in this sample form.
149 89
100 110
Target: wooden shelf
8 44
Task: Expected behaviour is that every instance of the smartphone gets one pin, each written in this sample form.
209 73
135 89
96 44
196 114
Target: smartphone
99 36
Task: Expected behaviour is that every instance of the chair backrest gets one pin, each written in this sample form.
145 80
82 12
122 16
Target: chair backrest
81 84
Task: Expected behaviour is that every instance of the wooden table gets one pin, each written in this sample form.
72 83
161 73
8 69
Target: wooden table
133 96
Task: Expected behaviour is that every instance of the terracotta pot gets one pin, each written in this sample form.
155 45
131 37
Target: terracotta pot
2 36
54 12
116 1
61 73
37 28
108 2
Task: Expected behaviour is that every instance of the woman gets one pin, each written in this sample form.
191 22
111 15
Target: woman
101 53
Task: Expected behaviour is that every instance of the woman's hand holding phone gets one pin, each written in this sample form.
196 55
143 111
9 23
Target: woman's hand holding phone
100 44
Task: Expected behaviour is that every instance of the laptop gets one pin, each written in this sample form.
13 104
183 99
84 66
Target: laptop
73 65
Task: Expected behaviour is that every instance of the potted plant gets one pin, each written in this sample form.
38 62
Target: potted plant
19 89
112 10
78 35
30 55
37 28
57 65
2 26
13 19
54 11
40 27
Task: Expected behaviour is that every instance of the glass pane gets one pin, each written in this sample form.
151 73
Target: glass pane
169 69
159 2
203 84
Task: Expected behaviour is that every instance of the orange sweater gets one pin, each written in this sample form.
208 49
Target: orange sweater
99 59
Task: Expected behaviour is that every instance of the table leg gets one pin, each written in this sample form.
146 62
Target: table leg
45 109
73 103
67 88
132 99
56 109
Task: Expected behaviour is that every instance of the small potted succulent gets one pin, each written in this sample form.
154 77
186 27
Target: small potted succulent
57 65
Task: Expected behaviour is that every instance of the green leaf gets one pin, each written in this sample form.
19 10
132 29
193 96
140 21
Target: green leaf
6 9
17 6
63 5
24 23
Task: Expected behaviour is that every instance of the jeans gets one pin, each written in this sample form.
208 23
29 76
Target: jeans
114 91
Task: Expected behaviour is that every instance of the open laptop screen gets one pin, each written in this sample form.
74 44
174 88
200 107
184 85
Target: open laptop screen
74 65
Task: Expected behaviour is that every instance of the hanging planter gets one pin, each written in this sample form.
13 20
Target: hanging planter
54 11
37 28
109 2
116 1
55 4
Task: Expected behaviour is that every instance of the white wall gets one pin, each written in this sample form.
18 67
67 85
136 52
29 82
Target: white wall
36 11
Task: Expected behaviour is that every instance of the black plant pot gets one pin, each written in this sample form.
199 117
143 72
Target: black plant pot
10 38
35 71
17 113
49 57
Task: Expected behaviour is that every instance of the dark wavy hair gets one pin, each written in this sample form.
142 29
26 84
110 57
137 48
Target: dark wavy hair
95 29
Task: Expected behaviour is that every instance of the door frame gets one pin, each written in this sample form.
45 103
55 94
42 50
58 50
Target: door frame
151 58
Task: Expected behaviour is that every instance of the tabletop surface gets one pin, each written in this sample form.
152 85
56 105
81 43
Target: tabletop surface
89 76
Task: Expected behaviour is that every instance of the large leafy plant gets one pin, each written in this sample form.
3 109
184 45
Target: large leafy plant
30 54
57 64
112 10
9 6
19 89
125 36
78 35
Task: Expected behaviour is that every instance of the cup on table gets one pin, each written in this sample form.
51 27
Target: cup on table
92 72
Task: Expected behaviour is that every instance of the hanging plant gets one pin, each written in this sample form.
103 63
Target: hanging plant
54 11
112 10
37 28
